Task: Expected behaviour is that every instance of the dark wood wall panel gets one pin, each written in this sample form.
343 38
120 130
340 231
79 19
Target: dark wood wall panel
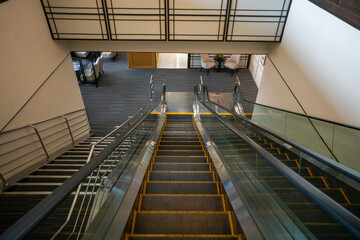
346 10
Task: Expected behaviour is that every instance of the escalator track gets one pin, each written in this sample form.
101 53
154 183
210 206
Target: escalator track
181 195
320 224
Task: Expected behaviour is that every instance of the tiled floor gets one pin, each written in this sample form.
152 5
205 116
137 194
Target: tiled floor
173 60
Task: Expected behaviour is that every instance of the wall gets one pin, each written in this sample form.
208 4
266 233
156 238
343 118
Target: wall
28 57
256 68
319 58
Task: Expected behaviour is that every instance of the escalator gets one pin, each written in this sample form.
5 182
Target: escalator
337 185
181 195
209 174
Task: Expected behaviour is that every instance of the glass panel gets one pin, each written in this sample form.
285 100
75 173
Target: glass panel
279 209
330 181
299 129
346 146
102 192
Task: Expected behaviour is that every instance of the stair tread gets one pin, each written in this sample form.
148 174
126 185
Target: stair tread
182 223
182 203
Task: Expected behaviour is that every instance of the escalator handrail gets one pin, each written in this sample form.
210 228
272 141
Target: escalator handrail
343 216
237 89
31 219
351 173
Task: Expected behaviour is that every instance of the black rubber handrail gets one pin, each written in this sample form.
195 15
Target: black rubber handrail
30 220
237 86
323 159
339 213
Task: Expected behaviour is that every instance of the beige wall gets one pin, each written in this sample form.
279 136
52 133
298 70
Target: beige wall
319 58
256 68
28 56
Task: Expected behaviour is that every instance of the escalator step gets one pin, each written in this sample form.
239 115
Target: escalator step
191 143
182 223
180 153
179 116
180 133
181 176
353 208
182 203
281 182
329 231
180 237
181 188
173 159
271 172
179 138
309 213
180 147
179 128
181 167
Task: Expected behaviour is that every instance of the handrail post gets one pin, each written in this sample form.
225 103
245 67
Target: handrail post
4 182
151 87
41 141
68 126
200 88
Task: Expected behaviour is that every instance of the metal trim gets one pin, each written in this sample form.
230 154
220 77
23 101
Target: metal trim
247 223
323 159
339 213
34 217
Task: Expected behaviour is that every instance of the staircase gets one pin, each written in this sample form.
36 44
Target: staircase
181 196
18 198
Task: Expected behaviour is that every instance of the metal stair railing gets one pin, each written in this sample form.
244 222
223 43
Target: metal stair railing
41 141
91 153
36 215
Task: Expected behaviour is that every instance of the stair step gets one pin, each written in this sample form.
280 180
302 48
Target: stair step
281 182
180 153
173 159
62 166
182 203
181 176
180 147
69 161
181 237
47 179
182 134
191 143
181 188
183 223
67 172
180 167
